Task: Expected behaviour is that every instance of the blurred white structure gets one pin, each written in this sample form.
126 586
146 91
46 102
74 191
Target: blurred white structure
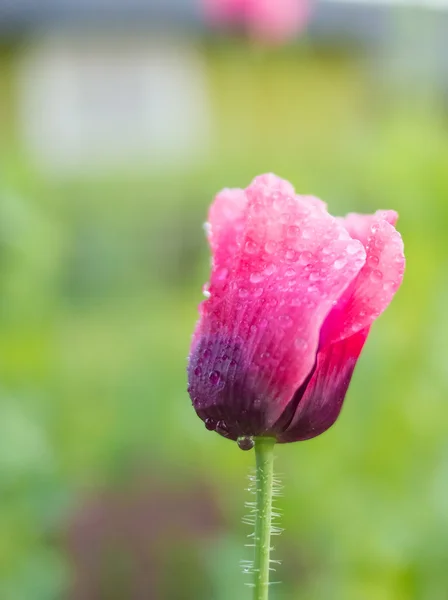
105 84
104 100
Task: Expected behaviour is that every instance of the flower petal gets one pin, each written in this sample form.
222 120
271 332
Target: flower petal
360 226
257 338
318 407
373 289
225 227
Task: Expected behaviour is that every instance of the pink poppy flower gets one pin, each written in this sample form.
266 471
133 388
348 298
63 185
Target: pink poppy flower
292 296
268 20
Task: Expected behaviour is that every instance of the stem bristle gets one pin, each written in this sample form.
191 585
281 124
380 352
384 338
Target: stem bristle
263 516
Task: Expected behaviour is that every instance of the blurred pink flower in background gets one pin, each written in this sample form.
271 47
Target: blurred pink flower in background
272 21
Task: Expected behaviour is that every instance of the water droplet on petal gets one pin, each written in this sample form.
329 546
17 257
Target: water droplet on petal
270 269
198 371
253 328
250 247
221 427
314 276
215 377
389 286
339 263
245 443
290 272
270 247
376 276
301 344
264 323
291 255
207 353
305 257
292 231
210 424
285 320
256 277
222 274
352 249
258 292
373 260
243 293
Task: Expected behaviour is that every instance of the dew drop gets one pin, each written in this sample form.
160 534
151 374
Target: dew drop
272 302
270 247
290 272
264 323
301 344
250 247
270 270
314 276
215 377
312 289
207 353
389 286
253 329
243 293
210 424
222 274
292 231
221 427
285 320
291 255
258 292
305 257
256 277
198 371
279 202
352 249
245 443
307 234
376 276
339 263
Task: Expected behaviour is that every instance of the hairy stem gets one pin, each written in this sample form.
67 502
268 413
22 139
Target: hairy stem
264 454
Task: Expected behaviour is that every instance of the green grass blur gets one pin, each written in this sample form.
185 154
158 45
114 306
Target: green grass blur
110 486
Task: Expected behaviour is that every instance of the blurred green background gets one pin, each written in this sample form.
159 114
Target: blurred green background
110 486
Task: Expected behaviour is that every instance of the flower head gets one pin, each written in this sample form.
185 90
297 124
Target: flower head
292 295
271 21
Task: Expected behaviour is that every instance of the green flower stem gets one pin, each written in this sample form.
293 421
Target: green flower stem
264 455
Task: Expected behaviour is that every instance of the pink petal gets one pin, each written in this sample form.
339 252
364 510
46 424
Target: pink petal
225 228
293 263
318 407
277 20
359 226
372 291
